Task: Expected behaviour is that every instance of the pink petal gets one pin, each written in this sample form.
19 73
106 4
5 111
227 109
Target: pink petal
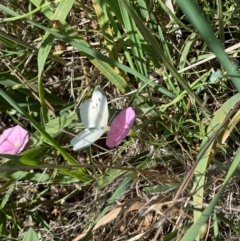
130 116
120 127
8 148
13 140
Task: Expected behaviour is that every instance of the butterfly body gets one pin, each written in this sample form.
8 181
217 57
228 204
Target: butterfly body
94 116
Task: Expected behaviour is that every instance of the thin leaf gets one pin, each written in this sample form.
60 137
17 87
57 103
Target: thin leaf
117 194
193 231
46 136
160 54
200 171
98 59
60 14
195 16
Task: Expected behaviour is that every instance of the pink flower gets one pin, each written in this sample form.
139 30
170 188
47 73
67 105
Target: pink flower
13 140
120 127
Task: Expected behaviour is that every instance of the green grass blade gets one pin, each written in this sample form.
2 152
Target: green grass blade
195 16
193 231
105 21
135 41
115 196
98 59
220 22
60 14
199 176
160 54
8 194
114 25
173 16
186 50
215 227
45 135
29 14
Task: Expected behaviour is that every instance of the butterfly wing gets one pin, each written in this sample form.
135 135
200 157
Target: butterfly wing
100 99
94 112
94 115
86 138
85 114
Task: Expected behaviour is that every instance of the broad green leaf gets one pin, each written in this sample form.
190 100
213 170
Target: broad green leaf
31 235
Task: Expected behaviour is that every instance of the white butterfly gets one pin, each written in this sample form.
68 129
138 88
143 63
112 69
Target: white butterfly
94 116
